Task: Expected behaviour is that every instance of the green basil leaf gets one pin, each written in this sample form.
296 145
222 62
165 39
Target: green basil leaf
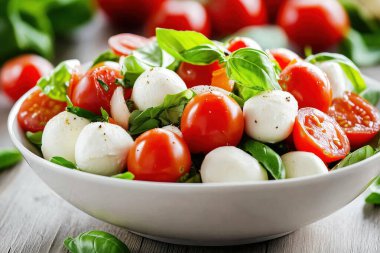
55 84
374 196
105 116
63 162
371 95
106 56
267 157
9 158
126 175
350 69
356 156
202 54
253 72
192 179
84 113
102 84
35 138
95 241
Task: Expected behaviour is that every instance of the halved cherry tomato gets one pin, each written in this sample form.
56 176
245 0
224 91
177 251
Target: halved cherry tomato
284 56
37 110
20 74
159 155
211 120
358 118
242 42
308 84
194 75
123 44
221 80
316 132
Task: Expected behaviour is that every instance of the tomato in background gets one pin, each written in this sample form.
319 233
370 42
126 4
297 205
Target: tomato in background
180 15
21 73
194 75
284 56
358 118
228 16
37 110
308 84
242 42
320 24
159 155
211 120
124 43
273 8
316 132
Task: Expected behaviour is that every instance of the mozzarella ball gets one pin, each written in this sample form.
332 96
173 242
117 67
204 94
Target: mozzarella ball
173 129
119 109
230 164
200 89
60 135
153 85
336 78
269 117
102 148
301 164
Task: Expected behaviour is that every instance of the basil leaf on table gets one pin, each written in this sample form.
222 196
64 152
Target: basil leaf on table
356 156
374 196
371 95
267 157
126 175
63 162
35 138
9 158
106 56
95 241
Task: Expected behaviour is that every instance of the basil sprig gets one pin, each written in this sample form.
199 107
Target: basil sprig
106 56
95 241
9 158
63 162
356 156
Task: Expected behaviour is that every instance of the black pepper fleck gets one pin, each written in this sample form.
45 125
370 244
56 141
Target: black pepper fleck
256 121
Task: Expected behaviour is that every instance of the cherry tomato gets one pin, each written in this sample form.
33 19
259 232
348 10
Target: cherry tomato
221 80
37 110
124 43
315 23
194 75
20 74
308 84
358 118
228 16
242 42
320 134
273 7
284 56
159 155
180 15
211 120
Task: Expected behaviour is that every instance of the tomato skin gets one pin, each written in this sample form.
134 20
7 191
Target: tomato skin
242 42
159 155
273 7
194 75
308 84
228 16
316 132
220 79
180 15
315 23
21 73
284 56
37 110
211 120
357 117
124 43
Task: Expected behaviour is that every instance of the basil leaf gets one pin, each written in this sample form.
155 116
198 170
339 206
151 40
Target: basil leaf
9 158
106 56
35 138
253 72
350 69
104 86
95 241
105 116
126 175
63 162
84 113
372 96
202 55
374 196
55 84
356 156
267 157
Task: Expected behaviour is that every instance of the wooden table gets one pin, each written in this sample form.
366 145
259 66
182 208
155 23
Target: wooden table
34 219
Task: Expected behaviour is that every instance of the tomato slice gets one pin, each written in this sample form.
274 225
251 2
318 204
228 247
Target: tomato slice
123 44
37 110
316 132
358 118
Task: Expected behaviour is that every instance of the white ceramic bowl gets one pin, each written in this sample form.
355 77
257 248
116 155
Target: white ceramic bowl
201 214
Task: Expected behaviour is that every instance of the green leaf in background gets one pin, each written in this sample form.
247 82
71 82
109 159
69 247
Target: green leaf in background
106 56
351 71
63 162
371 95
126 175
267 157
35 138
356 156
95 241
9 158
374 196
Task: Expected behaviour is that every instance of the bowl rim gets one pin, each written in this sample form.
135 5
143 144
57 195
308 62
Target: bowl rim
12 120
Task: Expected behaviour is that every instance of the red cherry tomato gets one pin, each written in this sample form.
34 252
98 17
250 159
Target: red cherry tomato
194 75
308 84
123 44
228 16
37 110
273 7
315 23
159 155
20 74
284 56
242 42
320 134
180 15
211 120
358 118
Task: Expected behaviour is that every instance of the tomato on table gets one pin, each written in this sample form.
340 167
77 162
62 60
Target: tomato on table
284 56
194 75
37 110
358 118
211 120
242 42
124 43
316 132
308 84
159 155
21 73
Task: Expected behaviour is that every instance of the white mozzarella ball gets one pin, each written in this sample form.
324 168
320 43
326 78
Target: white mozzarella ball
102 148
153 85
200 89
119 109
336 78
173 129
269 117
230 164
60 135
301 164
